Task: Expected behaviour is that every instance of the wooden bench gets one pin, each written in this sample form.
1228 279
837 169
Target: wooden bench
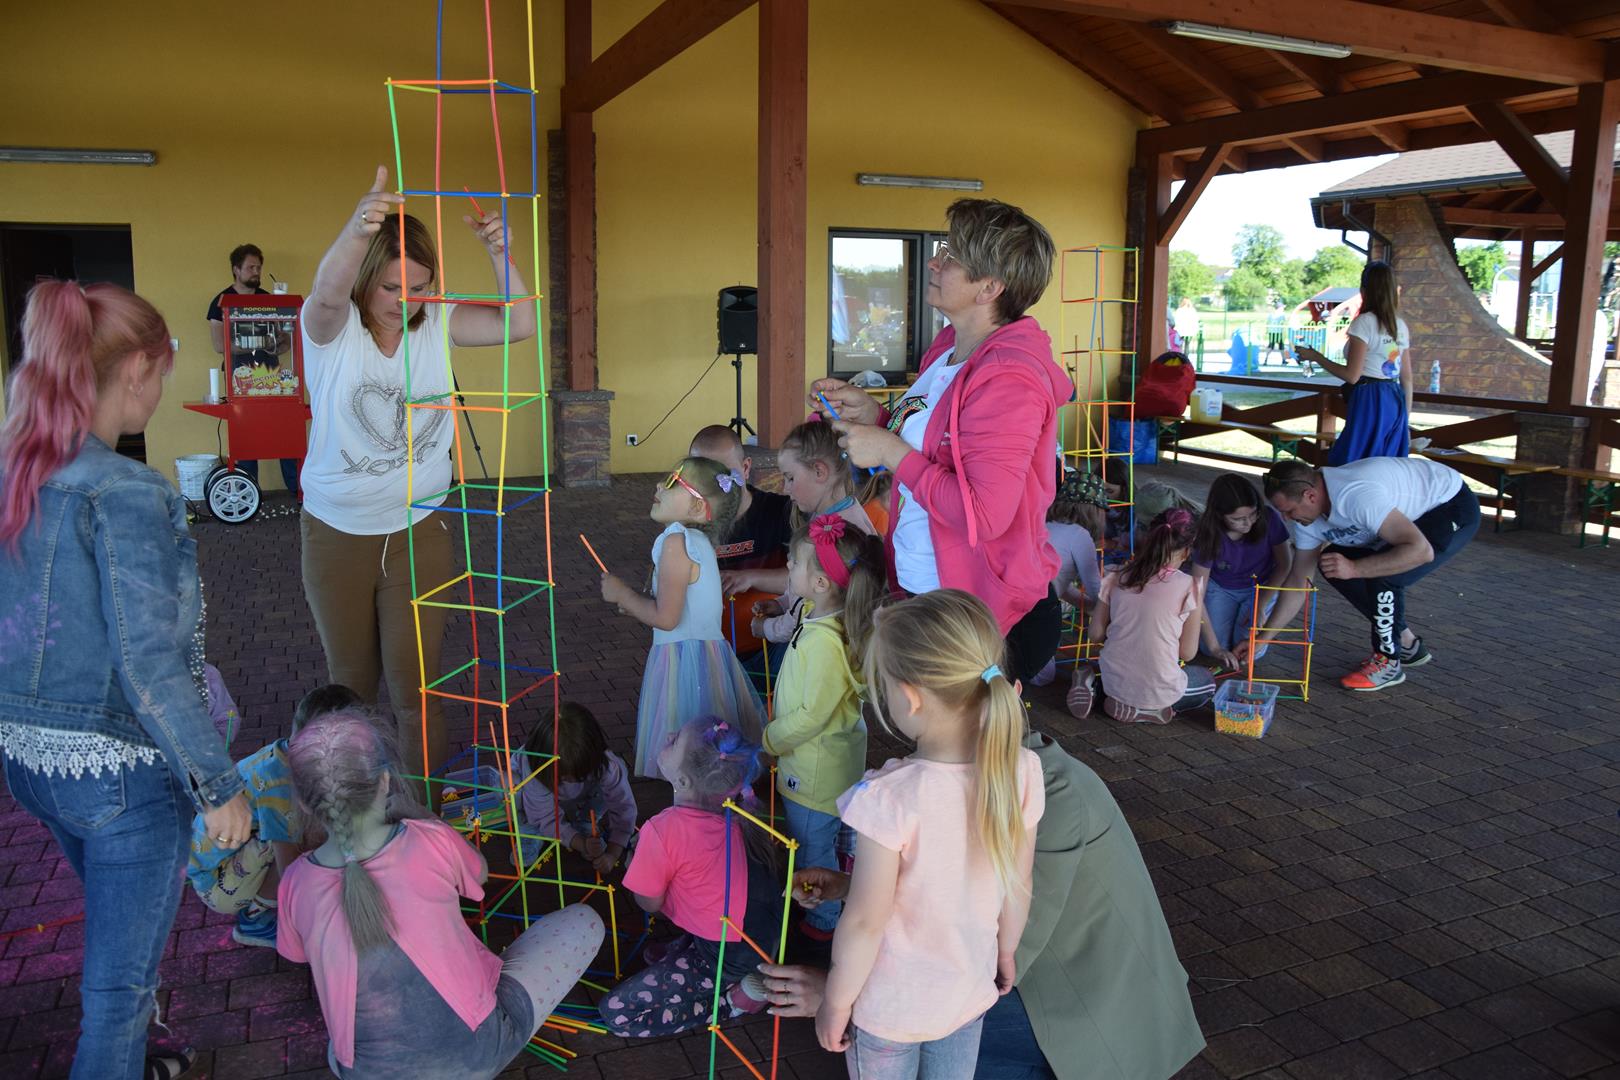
1281 440
1598 489
1507 472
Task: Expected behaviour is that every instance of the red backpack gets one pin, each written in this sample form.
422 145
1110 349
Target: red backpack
1165 387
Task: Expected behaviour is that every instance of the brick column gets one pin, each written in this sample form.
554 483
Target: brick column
584 437
1551 503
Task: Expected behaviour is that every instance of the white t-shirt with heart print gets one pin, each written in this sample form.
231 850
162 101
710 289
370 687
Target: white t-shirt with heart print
355 474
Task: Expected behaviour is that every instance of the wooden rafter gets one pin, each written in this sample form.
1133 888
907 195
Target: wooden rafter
1521 13
1392 33
1125 82
1530 156
1504 219
1198 177
1325 79
667 31
1394 101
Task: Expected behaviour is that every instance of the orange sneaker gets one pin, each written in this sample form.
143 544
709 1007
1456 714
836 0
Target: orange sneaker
1377 672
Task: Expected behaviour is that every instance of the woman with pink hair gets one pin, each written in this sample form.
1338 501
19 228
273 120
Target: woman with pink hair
104 720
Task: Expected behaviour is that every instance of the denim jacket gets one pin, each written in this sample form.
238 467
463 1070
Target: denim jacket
99 606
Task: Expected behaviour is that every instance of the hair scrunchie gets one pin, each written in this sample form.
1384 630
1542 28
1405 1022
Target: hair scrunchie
825 532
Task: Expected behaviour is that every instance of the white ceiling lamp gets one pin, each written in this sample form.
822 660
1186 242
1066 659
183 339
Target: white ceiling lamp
53 155
943 183
1254 38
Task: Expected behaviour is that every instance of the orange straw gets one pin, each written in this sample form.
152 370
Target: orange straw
592 550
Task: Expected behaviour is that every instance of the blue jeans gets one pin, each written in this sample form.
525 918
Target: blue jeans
817 834
126 833
950 1058
1008 1050
1231 613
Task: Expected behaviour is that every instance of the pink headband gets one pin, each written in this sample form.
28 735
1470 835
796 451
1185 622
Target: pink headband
825 532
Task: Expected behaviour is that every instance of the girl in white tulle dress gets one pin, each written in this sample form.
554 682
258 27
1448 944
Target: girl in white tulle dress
692 670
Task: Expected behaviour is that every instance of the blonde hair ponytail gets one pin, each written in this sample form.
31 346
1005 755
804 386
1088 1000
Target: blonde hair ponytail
947 642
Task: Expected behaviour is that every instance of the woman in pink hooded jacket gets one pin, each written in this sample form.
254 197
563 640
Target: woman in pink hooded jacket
972 445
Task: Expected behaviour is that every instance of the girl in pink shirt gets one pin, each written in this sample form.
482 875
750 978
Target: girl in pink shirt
694 865
944 849
1147 619
406 988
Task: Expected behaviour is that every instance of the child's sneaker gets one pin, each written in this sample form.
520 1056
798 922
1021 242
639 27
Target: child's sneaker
1417 655
747 997
255 926
1047 675
1081 696
1377 672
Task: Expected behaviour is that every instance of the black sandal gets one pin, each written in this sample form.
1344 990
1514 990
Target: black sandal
171 1065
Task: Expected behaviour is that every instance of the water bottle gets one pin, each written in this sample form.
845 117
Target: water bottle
1434 377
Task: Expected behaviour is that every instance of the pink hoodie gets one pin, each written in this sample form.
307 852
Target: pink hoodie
987 475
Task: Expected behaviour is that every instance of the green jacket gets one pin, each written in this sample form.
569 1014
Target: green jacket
817 734
1097 970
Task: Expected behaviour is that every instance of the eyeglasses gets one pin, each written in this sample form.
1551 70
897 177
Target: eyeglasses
942 253
675 478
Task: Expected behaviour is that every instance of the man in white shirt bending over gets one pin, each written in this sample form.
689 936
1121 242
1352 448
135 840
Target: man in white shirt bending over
1374 526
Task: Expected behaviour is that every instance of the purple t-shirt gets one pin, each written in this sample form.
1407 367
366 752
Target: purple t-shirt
1239 564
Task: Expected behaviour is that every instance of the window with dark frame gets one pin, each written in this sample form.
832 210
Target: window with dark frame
878 315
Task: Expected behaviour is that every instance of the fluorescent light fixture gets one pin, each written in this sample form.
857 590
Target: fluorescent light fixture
53 155
1258 40
946 183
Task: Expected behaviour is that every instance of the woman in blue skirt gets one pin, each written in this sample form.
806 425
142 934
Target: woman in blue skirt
1377 372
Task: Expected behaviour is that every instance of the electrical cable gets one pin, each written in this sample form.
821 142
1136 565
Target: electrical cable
684 396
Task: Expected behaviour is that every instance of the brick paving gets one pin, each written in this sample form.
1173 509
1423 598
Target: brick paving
1421 882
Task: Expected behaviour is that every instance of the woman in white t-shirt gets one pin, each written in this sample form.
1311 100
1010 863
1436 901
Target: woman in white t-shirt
1377 371
376 467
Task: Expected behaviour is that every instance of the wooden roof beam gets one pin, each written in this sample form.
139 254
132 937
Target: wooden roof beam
1530 156
1391 33
1393 101
1194 64
1321 76
667 31
1502 219
1198 177
1125 82
1523 14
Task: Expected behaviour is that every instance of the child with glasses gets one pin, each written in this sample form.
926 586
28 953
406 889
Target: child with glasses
692 670
1240 541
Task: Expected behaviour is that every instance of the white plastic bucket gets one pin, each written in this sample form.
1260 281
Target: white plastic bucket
191 471
1206 405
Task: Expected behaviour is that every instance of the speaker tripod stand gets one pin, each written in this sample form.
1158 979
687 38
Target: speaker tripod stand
739 423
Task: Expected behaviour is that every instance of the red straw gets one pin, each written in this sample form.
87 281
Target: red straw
479 210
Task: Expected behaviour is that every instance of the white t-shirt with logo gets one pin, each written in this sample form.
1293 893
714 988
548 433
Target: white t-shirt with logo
1362 494
1383 352
355 474
914 565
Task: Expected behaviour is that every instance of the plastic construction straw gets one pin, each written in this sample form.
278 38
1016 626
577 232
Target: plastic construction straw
479 210
594 555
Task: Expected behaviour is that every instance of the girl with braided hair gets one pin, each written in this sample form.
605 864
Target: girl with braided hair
694 864
406 988
816 730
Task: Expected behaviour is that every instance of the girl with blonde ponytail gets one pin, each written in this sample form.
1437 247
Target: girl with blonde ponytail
405 987
944 848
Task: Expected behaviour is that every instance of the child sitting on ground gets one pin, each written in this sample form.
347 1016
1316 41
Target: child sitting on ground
1075 524
680 870
405 986
1240 541
816 731
691 670
242 881
1147 620
593 788
944 849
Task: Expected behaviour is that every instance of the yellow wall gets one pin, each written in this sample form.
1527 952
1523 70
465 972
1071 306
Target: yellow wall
176 78
939 87
932 87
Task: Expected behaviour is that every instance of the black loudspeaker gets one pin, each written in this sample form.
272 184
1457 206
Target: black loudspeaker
739 319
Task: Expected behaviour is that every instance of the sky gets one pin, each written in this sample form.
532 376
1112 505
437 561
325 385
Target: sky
1277 197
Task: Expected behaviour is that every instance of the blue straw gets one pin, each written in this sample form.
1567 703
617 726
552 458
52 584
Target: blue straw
832 412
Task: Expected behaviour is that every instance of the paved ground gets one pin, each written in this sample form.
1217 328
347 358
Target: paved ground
1421 882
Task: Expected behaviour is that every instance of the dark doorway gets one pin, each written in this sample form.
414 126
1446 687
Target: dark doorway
86 253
